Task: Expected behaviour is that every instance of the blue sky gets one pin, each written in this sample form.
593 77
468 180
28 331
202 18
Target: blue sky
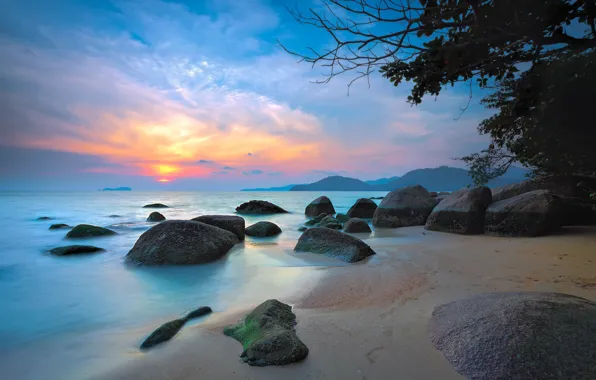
197 95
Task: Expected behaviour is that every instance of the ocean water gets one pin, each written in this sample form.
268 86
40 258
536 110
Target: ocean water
73 316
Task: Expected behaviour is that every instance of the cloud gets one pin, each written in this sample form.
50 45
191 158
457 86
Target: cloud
253 172
275 174
249 154
206 162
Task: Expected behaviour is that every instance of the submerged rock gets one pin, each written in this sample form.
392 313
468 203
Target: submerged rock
334 244
331 222
267 335
259 207
526 335
408 206
45 218
74 250
156 205
321 205
58 226
263 229
363 208
316 220
181 242
356 225
461 212
114 216
155 217
169 329
87 230
234 224
342 218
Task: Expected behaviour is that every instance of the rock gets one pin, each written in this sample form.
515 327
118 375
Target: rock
439 198
408 206
331 222
342 218
316 220
199 312
259 207
302 228
87 230
74 250
156 205
114 216
363 208
181 242
440 193
333 243
567 187
356 225
531 214
45 218
321 205
263 229
234 224
527 335
267 335
155 217
375 198
434 194
58 226
163 333
461 212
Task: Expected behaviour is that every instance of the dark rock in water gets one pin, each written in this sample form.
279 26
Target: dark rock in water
156 205
302 228
201 311
321 205
259 207
87 230
535 213
181 242
331 222
461 212
234 224
363 208
356 225
408 206
114 216
263 229
527 335
333 243
375 198
342 218
267 335
163 333
74 250
156 217
45 218
58 226
316 220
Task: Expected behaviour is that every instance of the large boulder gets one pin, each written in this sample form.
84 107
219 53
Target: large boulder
169 329
527 335
363 208
156 205
356 225
563 187
87 230
330 222
267 335
156 217
263 229
234 224
74 250
531 214
334 244
259 207
321 205
342 218
461 212
181 242
408 206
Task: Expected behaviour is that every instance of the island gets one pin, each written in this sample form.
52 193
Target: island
116 189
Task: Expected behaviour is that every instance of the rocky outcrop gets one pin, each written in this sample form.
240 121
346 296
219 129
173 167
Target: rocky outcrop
461 212
356 225
156 217
58 226
408 206
168 330
331 222
268 337
259 207
263 229
563 187
234 224
181 242
74 250
527 335
321 205
534 213
334 244
87 230
156 205
363 208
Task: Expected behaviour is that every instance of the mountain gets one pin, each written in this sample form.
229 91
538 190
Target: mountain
116 189
381 181
335 183
281 188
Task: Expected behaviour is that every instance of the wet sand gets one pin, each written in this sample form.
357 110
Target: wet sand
368 320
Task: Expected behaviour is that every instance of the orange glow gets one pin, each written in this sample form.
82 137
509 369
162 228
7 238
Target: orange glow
163 180
166 169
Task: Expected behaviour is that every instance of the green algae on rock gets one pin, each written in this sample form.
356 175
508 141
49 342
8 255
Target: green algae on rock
87 230
267 335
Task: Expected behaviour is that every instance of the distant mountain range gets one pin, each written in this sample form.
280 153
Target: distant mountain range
443 178
281 188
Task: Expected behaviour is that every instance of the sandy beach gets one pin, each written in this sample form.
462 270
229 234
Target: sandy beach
368 320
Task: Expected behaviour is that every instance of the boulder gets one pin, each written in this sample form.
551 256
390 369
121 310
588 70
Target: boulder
531 214
331 222
87 230
58 226
267 335
564 187
156 205
302 228
434 194
181 242
316 220
156 217
334 244
234 224
342 218
526 335
74 250
461 212
356 225
321 205
363 208
408 206
263 229
45 218
259 207
168 330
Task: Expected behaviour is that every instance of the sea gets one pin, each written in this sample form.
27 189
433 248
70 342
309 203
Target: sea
75 316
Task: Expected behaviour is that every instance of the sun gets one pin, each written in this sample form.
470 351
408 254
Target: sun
166 169
163 180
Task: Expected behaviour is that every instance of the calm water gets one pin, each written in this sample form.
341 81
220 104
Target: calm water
68 313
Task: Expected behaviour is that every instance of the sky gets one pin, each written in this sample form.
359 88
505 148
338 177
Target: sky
198 95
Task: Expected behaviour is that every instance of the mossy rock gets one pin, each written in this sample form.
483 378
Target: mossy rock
267 335
156 205
58 226
87 230
74 250
331 222
342 218
316 220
